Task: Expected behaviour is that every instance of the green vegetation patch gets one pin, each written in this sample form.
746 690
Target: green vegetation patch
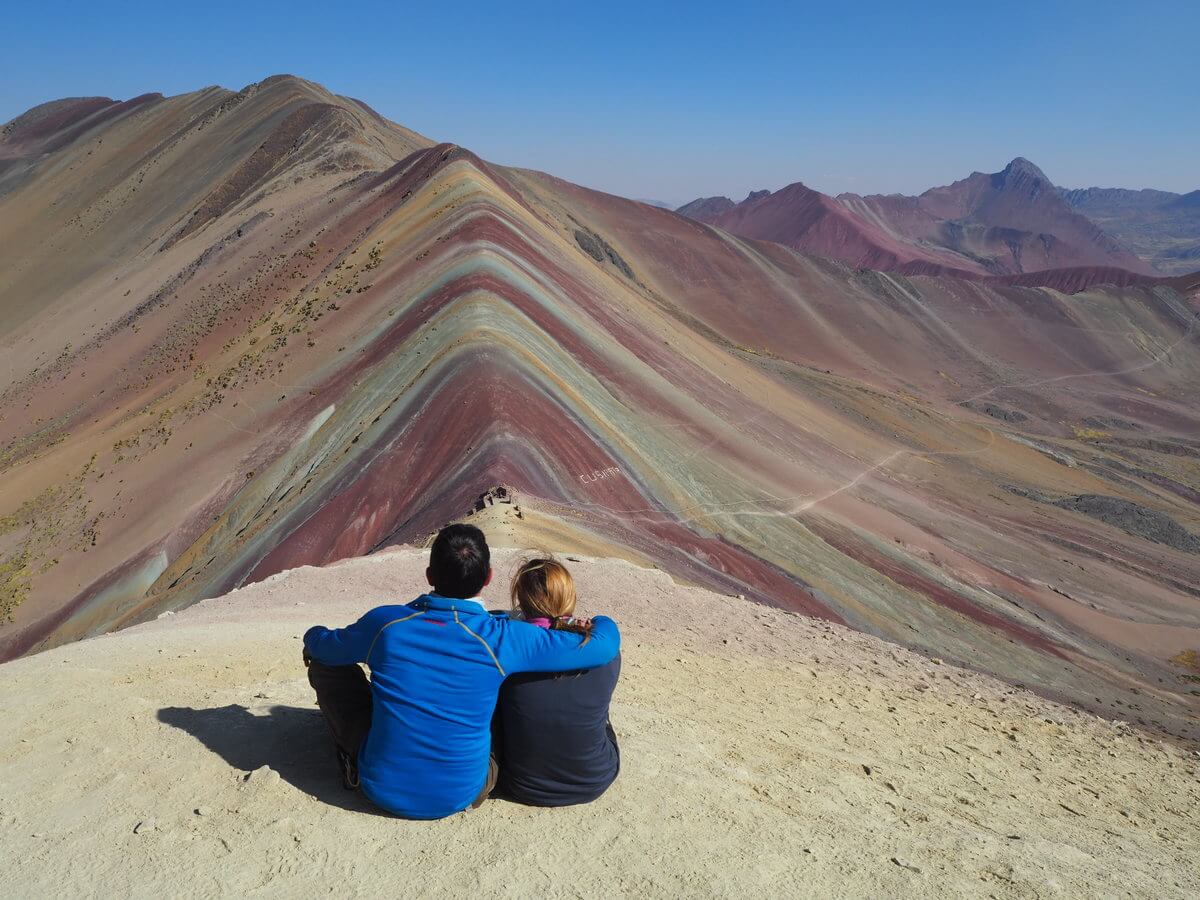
15 582
55 520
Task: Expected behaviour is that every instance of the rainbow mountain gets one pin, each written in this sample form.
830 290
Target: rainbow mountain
249 331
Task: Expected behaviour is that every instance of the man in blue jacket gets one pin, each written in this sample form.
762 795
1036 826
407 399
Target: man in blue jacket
417 737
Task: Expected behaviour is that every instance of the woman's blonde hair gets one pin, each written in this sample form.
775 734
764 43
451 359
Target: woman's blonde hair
542 588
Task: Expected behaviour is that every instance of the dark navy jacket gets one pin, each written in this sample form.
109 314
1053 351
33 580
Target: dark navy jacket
436 668
552 737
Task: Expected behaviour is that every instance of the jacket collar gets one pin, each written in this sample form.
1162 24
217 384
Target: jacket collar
449 604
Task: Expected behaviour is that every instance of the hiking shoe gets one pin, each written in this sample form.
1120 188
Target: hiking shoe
349 769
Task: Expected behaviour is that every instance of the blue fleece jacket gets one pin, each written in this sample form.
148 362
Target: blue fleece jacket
436 669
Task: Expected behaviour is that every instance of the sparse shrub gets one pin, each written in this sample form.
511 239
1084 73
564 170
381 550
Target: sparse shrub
1188 659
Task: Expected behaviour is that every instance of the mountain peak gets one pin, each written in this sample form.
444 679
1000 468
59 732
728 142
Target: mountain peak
1021 164
1023 177
1020 170
704 209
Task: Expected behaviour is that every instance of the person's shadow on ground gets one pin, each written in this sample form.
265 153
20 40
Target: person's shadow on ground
293 741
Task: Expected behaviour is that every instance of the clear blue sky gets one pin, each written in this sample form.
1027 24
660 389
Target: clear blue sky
672 101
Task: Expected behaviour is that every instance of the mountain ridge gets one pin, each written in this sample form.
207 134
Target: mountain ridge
802 721
351 350
1161 226
1011 222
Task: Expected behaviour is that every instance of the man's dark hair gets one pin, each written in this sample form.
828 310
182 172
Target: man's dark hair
459 561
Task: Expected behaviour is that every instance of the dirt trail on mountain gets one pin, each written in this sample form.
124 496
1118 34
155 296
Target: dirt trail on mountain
762 752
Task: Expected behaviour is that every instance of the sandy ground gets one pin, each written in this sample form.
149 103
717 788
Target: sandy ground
763 753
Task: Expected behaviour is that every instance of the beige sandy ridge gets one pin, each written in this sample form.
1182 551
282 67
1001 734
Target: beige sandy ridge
764 754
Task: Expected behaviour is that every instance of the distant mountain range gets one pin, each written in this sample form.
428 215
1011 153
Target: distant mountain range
1007 223
1161 227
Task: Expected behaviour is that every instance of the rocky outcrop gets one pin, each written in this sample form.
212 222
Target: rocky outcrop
1133 518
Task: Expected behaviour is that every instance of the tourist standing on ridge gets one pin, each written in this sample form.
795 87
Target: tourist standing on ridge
551 732
417 736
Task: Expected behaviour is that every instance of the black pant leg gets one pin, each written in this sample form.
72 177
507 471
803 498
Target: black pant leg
344 696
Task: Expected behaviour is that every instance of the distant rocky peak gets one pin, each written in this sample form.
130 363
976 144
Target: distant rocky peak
704 209
1022 176
1021 164
756 195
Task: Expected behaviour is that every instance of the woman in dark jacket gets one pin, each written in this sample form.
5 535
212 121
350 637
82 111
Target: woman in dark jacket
551 734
